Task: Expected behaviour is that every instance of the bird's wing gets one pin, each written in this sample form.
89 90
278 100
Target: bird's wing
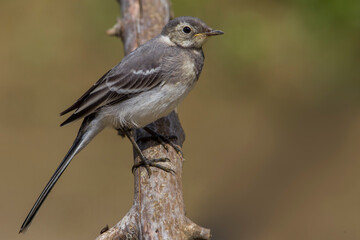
138 72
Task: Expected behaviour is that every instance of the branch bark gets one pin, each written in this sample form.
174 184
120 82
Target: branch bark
158 211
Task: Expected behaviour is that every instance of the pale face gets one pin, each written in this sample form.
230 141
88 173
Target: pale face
188 36
188 32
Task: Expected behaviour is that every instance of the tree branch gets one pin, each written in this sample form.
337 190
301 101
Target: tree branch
158 211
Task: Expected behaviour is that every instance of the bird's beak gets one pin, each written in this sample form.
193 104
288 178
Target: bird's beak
209 33
213 32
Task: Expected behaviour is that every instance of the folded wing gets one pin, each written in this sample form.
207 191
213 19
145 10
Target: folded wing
138 72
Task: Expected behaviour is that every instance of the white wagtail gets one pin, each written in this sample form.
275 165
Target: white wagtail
146 85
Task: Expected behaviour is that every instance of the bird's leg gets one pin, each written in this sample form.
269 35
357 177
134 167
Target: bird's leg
147 163
163 140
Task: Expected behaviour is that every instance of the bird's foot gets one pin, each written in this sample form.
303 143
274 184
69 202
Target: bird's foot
152 163
121 132
163 140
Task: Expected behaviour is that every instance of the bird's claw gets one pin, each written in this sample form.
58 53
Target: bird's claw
152 163
166 140
163 140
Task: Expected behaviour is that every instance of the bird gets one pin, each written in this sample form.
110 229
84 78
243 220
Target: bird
146 85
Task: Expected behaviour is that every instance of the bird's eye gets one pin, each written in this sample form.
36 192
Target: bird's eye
186 29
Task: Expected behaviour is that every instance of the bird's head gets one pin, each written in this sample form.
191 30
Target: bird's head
188 32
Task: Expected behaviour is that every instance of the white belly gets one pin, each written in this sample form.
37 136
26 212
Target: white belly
147 107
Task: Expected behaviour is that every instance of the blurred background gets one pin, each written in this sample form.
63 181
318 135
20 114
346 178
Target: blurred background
273 126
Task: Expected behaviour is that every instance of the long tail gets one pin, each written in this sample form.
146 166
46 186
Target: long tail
88 130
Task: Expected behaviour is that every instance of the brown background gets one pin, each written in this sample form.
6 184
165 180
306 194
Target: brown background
273 126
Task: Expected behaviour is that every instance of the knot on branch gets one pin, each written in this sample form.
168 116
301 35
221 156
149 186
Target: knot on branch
116 30
193 231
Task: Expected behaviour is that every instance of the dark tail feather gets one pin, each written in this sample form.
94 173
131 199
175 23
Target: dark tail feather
84 136
50 184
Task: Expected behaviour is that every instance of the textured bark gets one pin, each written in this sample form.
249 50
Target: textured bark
158 211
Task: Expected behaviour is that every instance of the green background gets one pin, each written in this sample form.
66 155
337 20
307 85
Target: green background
272 128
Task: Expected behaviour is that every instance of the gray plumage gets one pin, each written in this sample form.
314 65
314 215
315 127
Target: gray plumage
152 65
146 85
